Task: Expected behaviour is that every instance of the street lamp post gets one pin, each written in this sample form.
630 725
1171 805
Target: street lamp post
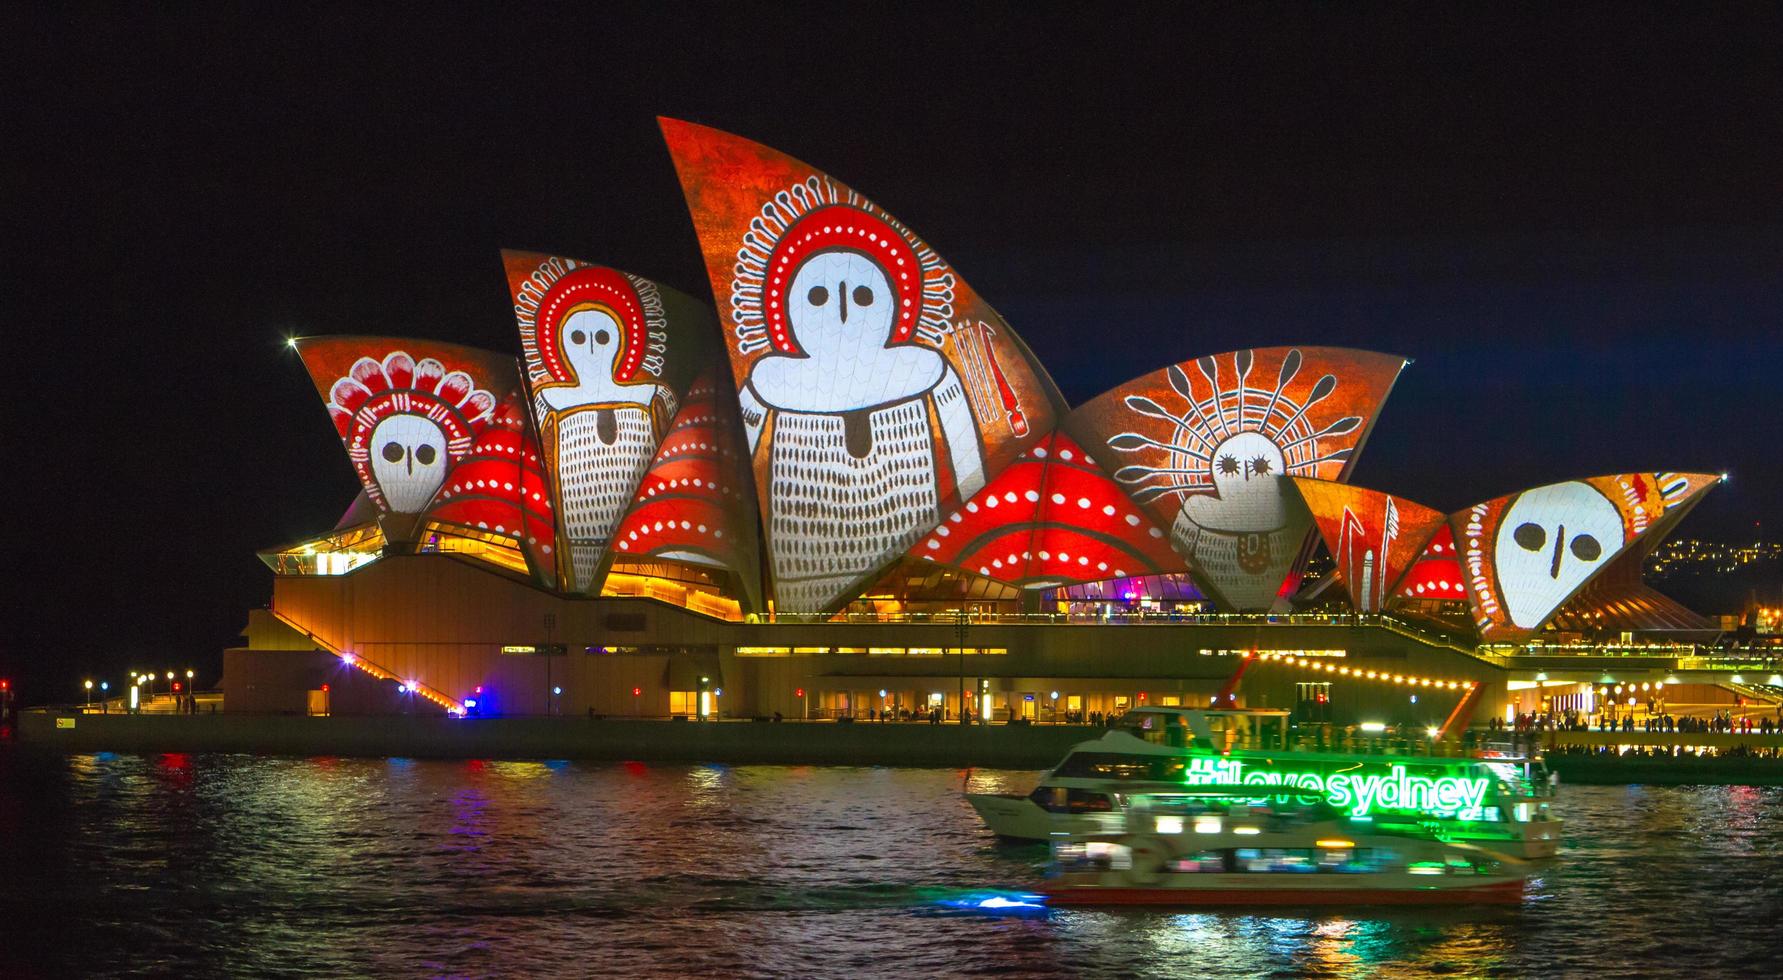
89 686
550 628
960 623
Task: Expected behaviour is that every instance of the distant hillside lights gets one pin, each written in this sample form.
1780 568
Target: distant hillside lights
1691 556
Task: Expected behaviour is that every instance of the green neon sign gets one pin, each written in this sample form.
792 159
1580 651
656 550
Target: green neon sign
1358 792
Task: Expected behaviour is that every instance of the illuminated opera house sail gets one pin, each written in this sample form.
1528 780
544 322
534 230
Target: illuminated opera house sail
851 433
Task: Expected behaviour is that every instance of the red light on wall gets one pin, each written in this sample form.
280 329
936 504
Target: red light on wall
800 692
176 687
325 689
1142 695
636 691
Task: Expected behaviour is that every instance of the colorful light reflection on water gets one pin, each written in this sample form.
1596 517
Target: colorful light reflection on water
237 865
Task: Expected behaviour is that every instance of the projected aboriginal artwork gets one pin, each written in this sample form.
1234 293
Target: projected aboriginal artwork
1202 446
407 411
1373 537
696 503
1051 518
499 488
878 391
1524 555
1437 573
597 347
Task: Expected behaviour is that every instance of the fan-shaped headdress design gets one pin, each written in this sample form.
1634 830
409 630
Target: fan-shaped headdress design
815 216
560 287
374 390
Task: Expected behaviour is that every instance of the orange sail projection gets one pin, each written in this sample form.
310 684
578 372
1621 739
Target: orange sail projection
606 355
1201 444
437 431
878 391
1523 555
1372 537
697 502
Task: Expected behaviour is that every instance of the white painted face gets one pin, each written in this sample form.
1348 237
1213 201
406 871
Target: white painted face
408 458
1248 496
840 305
591 340
1550 541
1245 463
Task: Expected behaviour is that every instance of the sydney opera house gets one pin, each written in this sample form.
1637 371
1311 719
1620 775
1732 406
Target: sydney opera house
852 488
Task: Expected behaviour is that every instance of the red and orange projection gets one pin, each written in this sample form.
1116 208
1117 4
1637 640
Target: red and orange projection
437 430
1372 537
1523 555
604 353
1051 518
878 392
1201 444
696 503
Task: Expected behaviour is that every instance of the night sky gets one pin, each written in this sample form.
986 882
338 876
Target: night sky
1572 220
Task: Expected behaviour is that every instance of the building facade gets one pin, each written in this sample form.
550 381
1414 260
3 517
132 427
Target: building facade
852 489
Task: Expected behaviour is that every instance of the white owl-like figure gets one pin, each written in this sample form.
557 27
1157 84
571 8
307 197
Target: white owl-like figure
594 340
1224 457
405 423
853 407
1550 540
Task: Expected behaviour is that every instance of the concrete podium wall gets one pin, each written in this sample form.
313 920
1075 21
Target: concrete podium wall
810 743
443 621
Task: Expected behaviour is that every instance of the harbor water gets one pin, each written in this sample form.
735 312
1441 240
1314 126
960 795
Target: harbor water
256 866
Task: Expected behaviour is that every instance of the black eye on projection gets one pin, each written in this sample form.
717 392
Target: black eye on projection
425 455
578 338
863 296
818 296
392 452
601 337
1586 548
1530 537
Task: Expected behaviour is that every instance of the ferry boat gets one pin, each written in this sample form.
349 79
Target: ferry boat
1199 850
1496 798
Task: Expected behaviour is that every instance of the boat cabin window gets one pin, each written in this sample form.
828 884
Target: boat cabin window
1117 765
1058 799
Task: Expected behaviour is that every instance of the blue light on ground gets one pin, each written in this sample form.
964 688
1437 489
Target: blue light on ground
995 903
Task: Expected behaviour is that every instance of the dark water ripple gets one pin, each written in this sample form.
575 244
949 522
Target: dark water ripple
244 866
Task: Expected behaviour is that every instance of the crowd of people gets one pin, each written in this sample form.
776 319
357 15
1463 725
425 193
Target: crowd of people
1657 719
1766 752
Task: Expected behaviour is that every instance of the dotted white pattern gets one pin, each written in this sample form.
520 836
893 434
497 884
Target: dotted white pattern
834 517
596 479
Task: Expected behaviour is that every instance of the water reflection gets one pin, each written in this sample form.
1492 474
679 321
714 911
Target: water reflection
213 865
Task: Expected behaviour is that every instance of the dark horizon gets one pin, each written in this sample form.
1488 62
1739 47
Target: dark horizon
1569 219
